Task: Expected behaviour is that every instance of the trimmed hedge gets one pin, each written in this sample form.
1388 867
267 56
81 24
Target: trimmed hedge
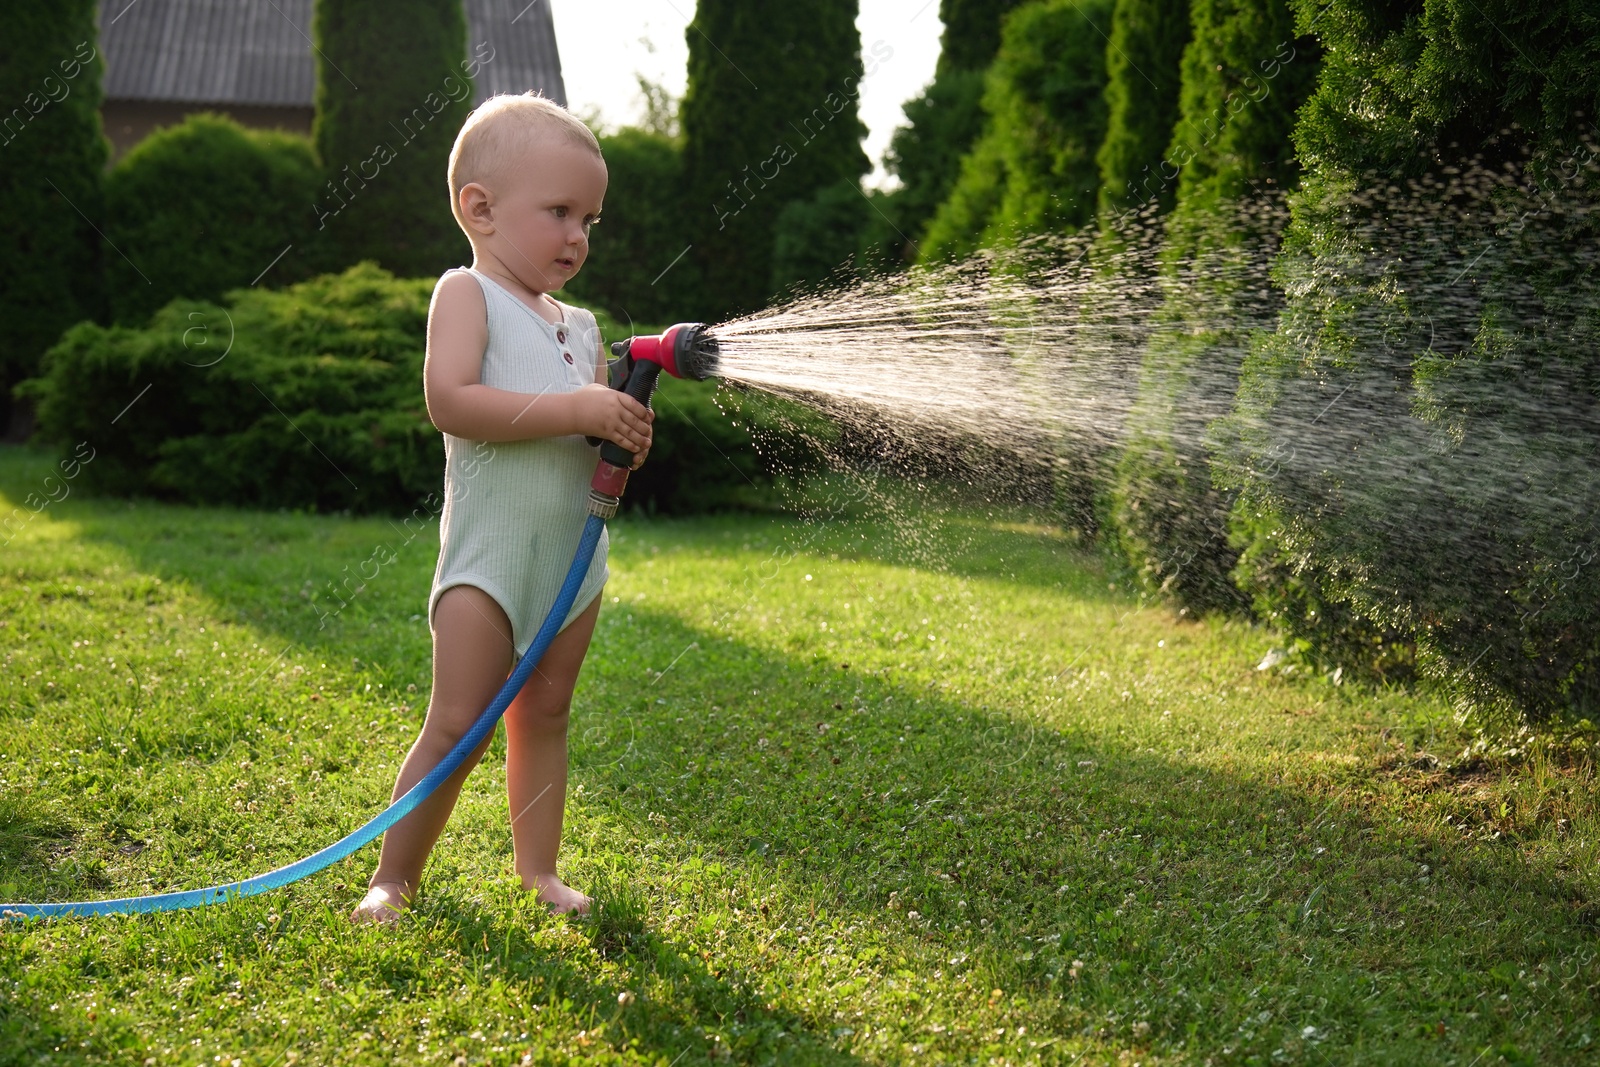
311 398
208 205
307 397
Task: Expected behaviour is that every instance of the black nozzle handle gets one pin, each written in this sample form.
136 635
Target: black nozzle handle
641 385
621 362
620 369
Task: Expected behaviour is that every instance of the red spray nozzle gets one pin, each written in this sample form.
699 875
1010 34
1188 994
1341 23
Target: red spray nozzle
686 350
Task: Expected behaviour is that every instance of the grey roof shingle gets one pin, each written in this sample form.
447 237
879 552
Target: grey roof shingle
259 51
524 38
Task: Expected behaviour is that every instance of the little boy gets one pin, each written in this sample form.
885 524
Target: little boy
514 380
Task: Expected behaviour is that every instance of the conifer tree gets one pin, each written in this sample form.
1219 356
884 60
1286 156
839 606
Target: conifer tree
394 84
769 117
52 154
1462 318
1033 169
1143 60
944 122
1245 72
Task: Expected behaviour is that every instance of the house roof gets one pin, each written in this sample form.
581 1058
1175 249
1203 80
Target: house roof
259 51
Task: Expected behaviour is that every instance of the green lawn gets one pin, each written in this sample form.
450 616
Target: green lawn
852 789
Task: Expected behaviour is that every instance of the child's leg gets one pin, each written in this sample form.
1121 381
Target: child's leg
536 762
471 650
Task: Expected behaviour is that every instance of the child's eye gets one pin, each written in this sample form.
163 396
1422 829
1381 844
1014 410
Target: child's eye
561 212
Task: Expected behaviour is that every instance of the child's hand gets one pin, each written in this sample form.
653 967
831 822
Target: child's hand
613 415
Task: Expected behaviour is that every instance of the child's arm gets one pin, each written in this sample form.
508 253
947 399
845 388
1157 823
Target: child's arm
460 404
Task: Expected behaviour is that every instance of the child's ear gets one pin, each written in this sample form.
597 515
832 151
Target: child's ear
477 207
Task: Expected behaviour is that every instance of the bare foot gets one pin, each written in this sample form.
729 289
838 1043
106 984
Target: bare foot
554 892
383 904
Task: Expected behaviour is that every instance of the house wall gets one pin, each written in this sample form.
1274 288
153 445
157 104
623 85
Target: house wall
128 122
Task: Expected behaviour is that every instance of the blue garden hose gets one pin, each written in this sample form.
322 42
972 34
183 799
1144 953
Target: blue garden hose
393 814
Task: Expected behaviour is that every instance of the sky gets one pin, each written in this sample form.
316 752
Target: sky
604 43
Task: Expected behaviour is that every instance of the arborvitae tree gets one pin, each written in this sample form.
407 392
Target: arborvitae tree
1137 185
1033 169
926 153
769 117
52 153
1143 61
943 123
1244 73
393 87
961 224
1441 281
1410 86
971 34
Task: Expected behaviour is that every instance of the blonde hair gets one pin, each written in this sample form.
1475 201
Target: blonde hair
501 126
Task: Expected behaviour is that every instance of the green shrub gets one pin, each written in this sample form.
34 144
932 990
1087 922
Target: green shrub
208 205
1292 590
52 154
306 397
818 242
885 243
1408 87
311 397
1143 65
958 227
717 449
635 268
1449 499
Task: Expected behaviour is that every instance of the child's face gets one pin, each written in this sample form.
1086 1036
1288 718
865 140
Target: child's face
540 210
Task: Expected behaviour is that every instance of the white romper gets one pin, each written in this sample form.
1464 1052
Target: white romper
514 511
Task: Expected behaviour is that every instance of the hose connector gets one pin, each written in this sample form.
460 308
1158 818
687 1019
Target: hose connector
605 488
